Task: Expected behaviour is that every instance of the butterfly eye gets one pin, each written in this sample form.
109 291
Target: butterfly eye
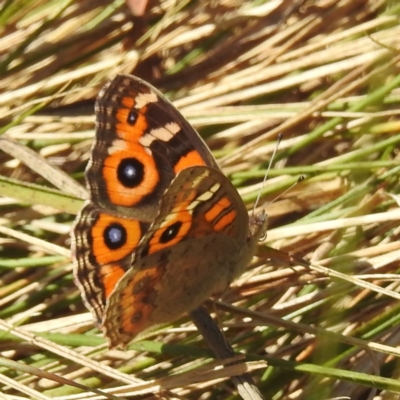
132 117
114 236
170 232
130 172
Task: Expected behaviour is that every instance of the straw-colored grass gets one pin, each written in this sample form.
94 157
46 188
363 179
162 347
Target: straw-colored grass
316 315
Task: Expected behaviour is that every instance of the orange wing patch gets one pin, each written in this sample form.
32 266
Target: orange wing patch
131 123
215 212
191 159
226 220
171 233
131 234
216 209
177 225
137 304
110 275
117 192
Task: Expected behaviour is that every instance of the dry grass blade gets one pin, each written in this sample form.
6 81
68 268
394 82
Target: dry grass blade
316 315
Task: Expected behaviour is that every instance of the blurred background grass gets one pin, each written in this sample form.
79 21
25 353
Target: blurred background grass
325 75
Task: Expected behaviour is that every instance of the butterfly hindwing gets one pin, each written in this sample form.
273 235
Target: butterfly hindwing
197 245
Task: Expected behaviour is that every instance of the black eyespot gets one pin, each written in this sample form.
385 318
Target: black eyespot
132 117
136 317
114 236
170 232
130 172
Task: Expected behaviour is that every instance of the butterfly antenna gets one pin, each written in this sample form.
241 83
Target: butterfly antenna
279 139
299 179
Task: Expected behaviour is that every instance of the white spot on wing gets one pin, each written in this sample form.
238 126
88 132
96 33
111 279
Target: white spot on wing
142 99
204 197
164 133
117 145
210 193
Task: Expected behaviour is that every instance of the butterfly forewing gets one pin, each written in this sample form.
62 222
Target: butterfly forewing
142 141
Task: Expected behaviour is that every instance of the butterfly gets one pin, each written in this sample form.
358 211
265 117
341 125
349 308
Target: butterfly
164 229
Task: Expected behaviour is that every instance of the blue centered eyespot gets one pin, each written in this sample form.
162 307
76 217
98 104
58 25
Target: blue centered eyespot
115 236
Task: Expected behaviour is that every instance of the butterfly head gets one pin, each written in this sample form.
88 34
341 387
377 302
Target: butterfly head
258 225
